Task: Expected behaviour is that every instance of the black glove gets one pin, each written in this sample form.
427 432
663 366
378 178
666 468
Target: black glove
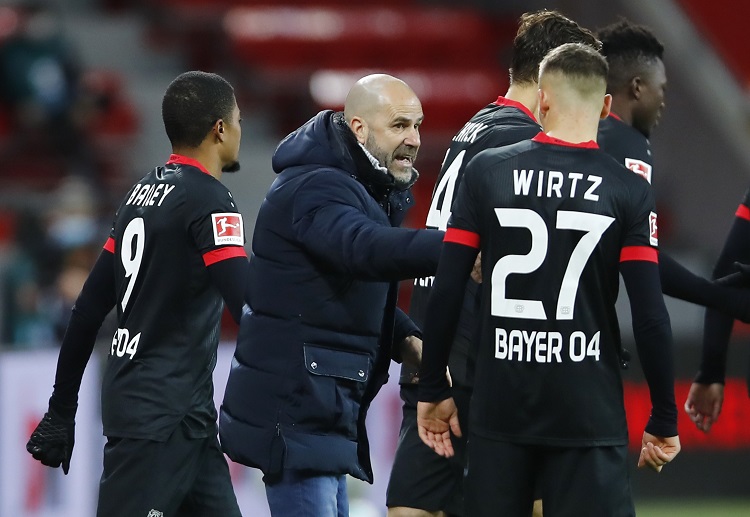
52 440
741 278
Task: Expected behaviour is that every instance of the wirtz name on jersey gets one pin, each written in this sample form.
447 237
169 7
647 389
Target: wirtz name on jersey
544 347
555 184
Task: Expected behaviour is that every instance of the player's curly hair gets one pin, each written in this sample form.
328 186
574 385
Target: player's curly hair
193 102
538 33
628 47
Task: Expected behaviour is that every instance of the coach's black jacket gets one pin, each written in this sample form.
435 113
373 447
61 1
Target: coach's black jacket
315 344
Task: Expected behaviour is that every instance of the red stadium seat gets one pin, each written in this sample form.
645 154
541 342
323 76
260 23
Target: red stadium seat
350 36
449 96
723 24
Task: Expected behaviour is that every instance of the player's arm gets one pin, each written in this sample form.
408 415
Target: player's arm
229 275
653 336
679 282
706 394
52 440
436 412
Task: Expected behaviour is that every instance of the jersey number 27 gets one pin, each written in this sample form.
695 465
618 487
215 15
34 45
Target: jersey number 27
594 226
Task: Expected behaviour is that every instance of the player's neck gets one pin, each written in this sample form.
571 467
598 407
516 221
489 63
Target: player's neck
571 129
211 163
527 94
621 109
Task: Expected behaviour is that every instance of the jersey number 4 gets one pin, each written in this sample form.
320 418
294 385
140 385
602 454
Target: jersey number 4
438 217
594 226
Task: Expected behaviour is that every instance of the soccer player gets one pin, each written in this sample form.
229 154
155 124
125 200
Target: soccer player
637 82
706 395
423 483
556 220
176 248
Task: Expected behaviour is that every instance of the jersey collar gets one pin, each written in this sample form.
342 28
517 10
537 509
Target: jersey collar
615 116
502 101
184 160
546 139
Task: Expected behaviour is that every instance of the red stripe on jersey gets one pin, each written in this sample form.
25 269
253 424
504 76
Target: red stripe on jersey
546 139
110 245
743 212
614 116
184 160
646 253
502 101
464 237
217 255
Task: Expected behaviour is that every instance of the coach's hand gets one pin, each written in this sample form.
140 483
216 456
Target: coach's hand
52 441
657 451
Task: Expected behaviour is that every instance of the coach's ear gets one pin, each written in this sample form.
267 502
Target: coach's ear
607 107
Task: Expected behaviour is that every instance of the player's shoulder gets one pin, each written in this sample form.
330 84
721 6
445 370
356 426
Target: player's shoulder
493 157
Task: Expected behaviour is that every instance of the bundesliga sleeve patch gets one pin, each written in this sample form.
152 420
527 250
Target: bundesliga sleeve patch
228 229
653 230
639 167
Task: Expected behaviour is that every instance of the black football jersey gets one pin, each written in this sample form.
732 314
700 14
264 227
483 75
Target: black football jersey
553 221
174 222
500 123
627 145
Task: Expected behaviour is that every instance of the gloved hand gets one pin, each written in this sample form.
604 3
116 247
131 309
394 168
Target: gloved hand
741 278
52 440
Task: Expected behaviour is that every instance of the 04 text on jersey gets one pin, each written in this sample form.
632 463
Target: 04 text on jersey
545 347
123 343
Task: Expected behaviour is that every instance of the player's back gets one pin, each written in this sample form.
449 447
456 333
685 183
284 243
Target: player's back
498 124
161 358
553 220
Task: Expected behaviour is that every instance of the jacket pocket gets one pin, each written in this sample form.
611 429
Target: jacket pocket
337 363
336 382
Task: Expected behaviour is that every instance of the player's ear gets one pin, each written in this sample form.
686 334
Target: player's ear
635 87
543 102
606 107
218 130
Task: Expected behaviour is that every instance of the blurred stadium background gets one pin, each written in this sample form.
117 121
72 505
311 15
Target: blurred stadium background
66 160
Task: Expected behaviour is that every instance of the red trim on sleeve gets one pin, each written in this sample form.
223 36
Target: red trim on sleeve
646 253
184 160
464 237
546 139
110 245
502 101
743 212
217 255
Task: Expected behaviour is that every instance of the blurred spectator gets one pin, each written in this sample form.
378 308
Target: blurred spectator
41 89
51 257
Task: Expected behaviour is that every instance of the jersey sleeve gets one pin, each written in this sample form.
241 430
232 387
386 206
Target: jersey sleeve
216 225
717 328
463 226
641 241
